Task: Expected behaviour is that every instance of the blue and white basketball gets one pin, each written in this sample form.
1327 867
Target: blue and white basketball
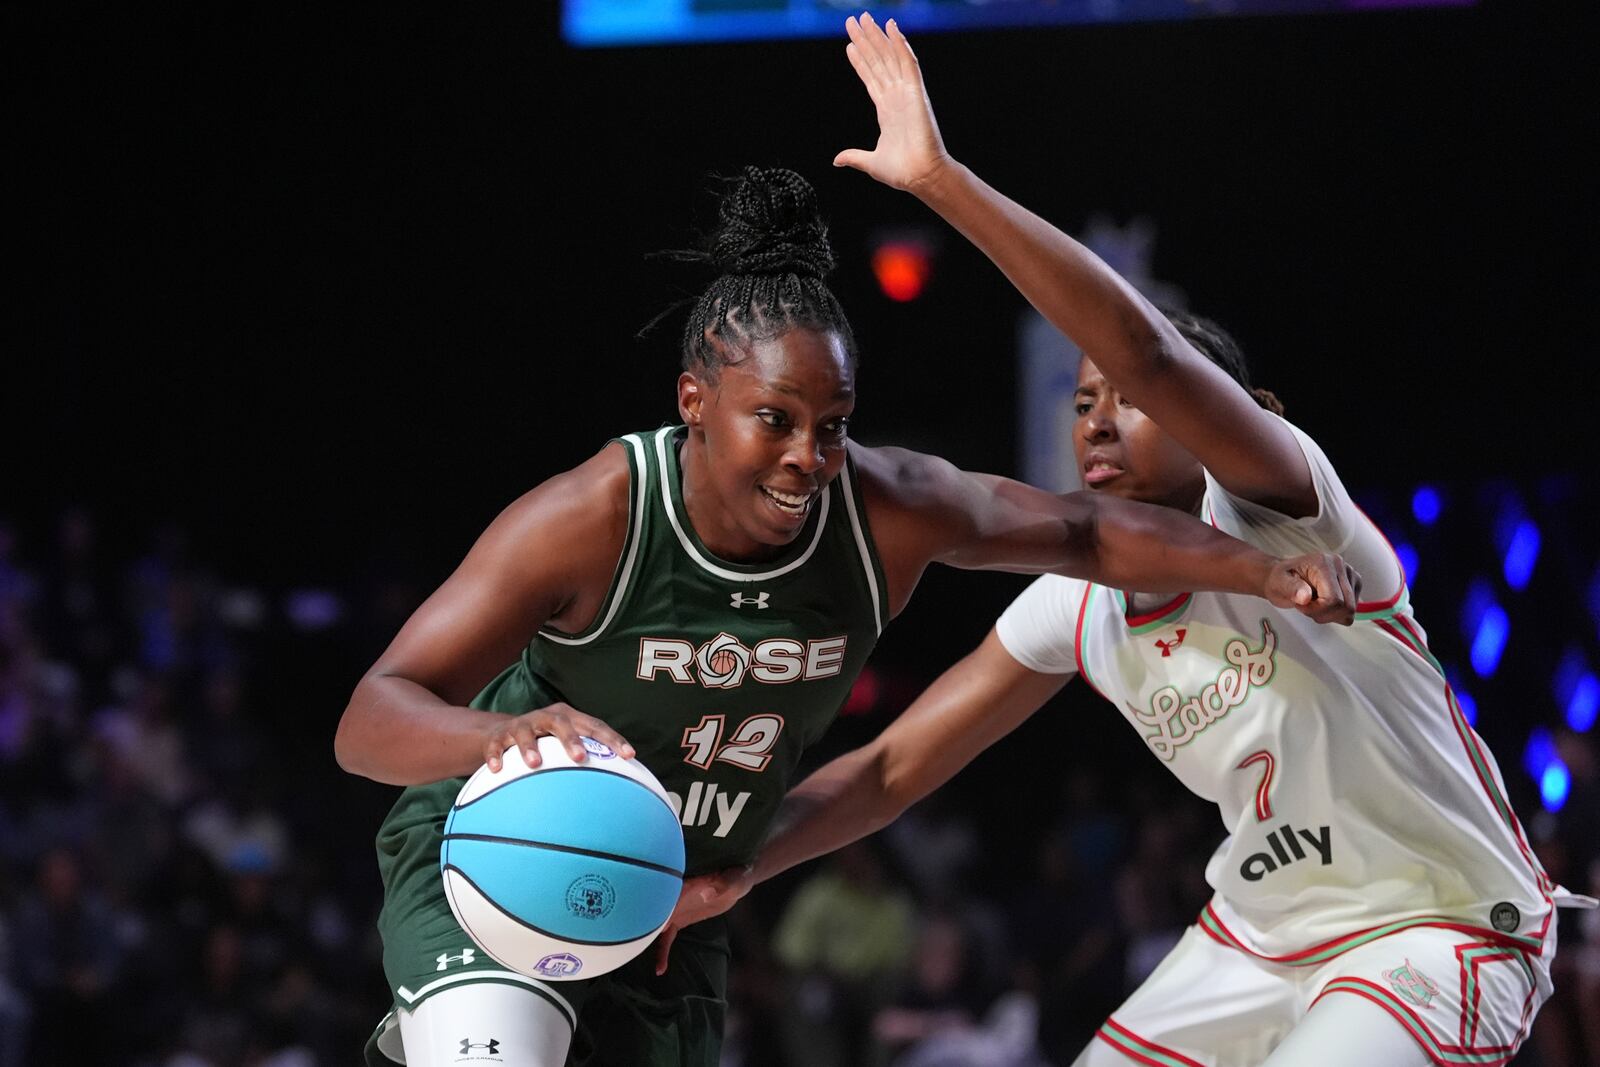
566 870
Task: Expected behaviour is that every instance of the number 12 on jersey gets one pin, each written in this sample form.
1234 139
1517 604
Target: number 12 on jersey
749 746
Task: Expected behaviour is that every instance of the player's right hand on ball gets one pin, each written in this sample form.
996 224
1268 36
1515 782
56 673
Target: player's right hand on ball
1319 585
561 721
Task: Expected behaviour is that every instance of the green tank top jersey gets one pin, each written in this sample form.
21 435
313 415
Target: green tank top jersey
719 673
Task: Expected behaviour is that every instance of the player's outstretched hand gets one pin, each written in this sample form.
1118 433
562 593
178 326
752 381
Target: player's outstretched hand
703 896
562 721
1319 585
910 151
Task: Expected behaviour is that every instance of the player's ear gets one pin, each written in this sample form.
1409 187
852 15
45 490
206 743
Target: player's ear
691 398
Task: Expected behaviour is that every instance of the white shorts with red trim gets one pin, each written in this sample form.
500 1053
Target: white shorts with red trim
1464 1000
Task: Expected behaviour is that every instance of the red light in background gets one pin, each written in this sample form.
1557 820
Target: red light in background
902 269
864 694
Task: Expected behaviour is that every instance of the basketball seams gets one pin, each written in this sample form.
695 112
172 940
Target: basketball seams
510 898
551 846
541 931
447 833
562 770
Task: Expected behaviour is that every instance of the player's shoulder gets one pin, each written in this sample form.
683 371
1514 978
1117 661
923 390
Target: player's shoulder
1326 487
1307 442
915 502
584 503
902 478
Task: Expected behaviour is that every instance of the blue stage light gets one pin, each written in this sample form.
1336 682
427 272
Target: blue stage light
1489 640
1553 785
1570 668
1477 600
608 23
1408 560
1584 703
1426 505
1539 752
1508 512
1521 554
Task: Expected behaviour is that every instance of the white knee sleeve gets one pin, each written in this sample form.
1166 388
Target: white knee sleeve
483 1024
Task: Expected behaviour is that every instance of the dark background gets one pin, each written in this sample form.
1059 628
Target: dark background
328 288
320 280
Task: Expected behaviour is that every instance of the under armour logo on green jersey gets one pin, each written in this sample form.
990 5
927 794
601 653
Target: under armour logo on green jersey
759 600
445 959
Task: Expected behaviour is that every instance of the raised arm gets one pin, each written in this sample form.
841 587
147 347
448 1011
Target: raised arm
540 561
923 509
1252 453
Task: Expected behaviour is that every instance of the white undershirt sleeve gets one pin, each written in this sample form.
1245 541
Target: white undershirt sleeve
1039 628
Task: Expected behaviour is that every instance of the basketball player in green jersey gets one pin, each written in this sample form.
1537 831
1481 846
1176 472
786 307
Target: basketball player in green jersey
711 590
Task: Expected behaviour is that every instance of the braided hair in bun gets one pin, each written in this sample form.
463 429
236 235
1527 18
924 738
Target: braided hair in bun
1217 345
771 253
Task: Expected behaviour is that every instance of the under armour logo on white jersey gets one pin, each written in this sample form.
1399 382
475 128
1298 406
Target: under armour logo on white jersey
759 600
445 959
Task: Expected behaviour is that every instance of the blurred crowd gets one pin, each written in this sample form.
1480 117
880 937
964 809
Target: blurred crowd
164 893
186 879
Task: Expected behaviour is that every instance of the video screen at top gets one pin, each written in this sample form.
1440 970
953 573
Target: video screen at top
600 23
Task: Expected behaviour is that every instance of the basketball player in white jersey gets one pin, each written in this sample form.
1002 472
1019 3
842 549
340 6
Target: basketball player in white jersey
1376 902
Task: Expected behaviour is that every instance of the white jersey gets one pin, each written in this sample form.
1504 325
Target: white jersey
1358 800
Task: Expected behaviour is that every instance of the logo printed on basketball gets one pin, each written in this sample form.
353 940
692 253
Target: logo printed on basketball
722 661
596 749
591 897
559 965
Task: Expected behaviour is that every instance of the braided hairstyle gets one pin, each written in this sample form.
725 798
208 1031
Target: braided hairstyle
770 250
1217 345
